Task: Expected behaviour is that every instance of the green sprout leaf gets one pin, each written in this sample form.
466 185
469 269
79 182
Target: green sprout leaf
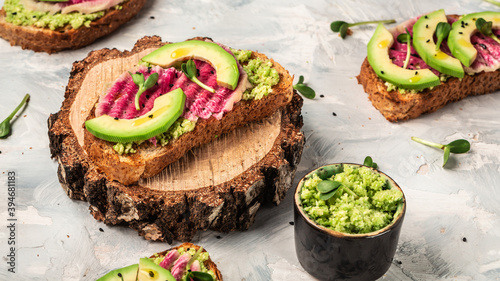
189 69
406 38
198 276
456 146
485 27
303 89
442 32
342 26
138 79
5 126
369 162
327 188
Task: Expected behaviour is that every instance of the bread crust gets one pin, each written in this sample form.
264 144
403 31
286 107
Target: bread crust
51 41
209 264
150 160
395 106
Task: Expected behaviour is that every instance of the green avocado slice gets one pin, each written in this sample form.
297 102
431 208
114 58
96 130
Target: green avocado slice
378 57
150 271
463 29
167 108
423 41
128 273
224 63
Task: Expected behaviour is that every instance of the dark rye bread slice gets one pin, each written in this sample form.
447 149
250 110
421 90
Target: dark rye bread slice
395 106
172 212
209 264
149 159
51 41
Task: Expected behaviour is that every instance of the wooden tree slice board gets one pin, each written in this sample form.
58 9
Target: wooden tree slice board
218 186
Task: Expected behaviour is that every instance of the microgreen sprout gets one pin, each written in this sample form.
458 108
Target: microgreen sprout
342 26
485 27
456 146
327 188
406 38
198 276
442 31
138 79
189 68
369 162
5 126
305 90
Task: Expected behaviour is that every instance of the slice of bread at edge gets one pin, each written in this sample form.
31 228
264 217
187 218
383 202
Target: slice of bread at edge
149 160
209 264
51 41
395 106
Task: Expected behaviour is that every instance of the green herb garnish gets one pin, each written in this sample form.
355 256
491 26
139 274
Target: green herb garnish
456 146
5 126
442 31
406 38
198 276
485 27
138 79
369 162
327 188
189 69
342 26
305 90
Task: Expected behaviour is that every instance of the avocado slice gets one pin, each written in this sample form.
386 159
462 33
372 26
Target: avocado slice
463 29
128 273
149 271
423 41
224 63
378 57
167 108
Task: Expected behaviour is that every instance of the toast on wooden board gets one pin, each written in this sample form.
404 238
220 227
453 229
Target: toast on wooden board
399 106
215 186
150 159
51 41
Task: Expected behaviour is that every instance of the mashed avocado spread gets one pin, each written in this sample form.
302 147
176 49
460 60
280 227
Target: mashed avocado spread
364 202
18 15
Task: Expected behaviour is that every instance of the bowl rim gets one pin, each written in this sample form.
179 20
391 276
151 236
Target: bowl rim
398 216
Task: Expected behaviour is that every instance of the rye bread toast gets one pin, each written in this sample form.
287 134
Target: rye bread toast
209 264
51 41
396 106
149 159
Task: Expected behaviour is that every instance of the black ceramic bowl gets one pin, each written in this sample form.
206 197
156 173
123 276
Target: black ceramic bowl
331 255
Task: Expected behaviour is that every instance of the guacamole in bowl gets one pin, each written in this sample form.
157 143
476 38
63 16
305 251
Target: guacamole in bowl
348 218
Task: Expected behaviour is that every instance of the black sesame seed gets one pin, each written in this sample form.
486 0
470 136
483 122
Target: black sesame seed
218 237
101 230
321 96
291 223
119 274
152 17
426 17
142 105
176 75
483 46
150 116
426 26
212 72
464 239
14 13
334 114
416 72
147 96
197 72
466 23
116 118
382 72
171 85
460 32
149 69
428 40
